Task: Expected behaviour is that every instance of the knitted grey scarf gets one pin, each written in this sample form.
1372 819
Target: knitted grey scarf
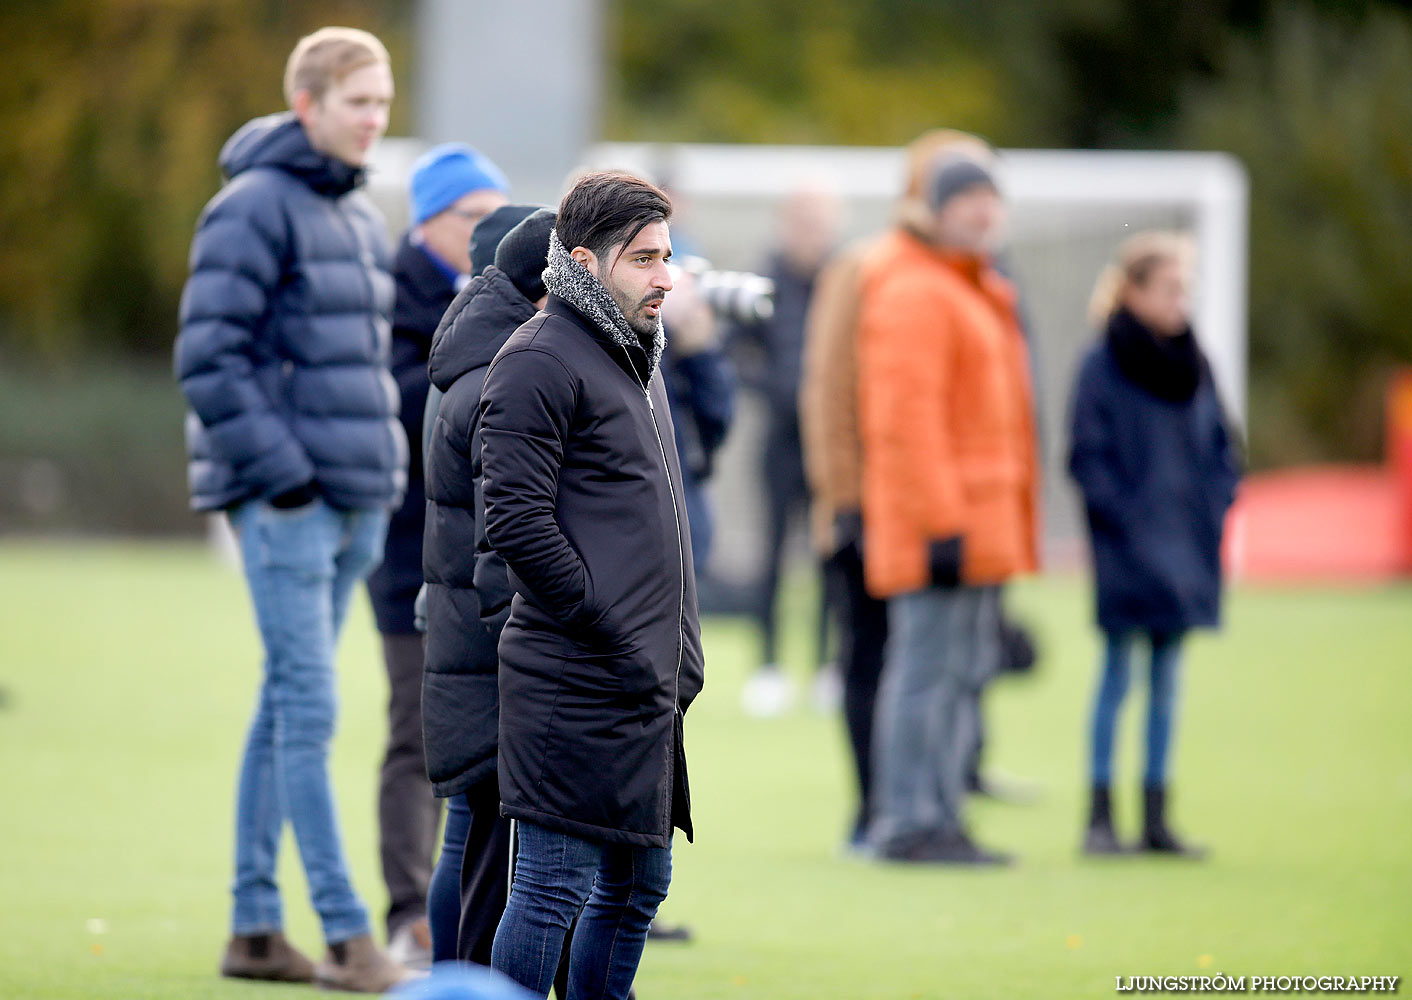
573 283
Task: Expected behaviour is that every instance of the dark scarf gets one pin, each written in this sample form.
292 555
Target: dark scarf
1169 368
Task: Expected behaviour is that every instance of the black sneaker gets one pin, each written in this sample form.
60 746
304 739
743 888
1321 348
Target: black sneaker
1164 841
937 848
679 933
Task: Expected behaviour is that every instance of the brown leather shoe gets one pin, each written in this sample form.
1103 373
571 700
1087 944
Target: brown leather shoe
265 956
360 966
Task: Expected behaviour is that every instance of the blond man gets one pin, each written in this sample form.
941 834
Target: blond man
293 433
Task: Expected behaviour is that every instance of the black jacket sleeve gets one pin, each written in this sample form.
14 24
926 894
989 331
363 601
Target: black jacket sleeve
527 409
489 578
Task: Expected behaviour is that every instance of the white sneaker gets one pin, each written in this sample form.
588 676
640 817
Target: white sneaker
828 689
411 945
768 693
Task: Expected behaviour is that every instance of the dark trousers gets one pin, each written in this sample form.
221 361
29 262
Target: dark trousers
786 503
408 812
862 631
485 872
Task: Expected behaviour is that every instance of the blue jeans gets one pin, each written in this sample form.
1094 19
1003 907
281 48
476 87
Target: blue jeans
618 889
942 647
444 892
301 566
1161 704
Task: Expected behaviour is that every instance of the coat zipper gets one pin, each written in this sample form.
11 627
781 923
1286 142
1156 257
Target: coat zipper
681 575
681 550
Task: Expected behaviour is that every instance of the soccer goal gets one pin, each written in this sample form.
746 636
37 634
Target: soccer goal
1069 211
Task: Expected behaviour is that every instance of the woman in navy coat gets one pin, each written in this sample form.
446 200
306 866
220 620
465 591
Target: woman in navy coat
1154 461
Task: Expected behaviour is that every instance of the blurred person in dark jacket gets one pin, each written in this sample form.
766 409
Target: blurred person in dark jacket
809 224
468 592
283 358
1154 460
601 655
833 459
701 384
453 187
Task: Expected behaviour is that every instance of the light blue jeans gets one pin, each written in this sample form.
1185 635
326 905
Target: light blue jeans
301 566
943 644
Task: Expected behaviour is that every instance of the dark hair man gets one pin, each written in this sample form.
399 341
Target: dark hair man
601 655
283 357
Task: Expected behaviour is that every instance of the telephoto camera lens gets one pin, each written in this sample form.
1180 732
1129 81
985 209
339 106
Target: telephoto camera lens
737 296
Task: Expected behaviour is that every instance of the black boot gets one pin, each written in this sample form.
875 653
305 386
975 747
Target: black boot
1156 836
1099 838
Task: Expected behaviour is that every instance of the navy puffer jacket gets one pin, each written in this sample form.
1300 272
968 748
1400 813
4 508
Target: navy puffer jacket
285 328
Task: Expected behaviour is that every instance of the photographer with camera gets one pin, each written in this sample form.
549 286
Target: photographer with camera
772 346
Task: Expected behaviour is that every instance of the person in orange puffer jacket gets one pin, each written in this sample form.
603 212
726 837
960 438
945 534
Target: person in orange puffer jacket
950 487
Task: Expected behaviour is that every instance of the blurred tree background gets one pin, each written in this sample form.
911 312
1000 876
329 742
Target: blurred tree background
112 113
1314 97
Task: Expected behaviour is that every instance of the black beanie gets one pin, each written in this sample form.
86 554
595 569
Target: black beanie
524 253
956 174
491 230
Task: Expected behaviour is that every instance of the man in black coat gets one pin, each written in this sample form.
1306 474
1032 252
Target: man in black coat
601 655
452 188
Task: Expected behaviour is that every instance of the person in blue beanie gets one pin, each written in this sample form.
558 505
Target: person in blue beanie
453 187
283 359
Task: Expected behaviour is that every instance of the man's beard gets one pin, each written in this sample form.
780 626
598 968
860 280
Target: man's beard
642 324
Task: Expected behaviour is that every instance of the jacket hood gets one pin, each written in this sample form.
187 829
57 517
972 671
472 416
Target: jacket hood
280 141
480 320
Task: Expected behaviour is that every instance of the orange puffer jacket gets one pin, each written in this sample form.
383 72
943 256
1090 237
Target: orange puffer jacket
947 418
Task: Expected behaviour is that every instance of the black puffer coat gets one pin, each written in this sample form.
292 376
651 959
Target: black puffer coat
283 350
601 655
468 595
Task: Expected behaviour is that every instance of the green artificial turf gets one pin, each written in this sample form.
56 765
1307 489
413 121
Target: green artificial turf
129 672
